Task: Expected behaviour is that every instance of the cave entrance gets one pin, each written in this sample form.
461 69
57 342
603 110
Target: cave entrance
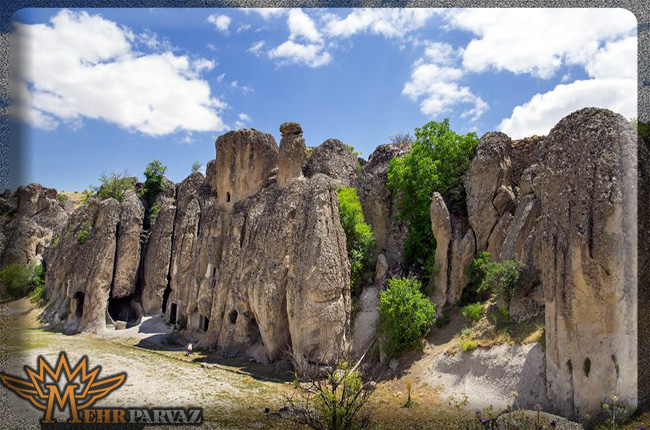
228 197
173 310
125 309
79 309
232 316
204 322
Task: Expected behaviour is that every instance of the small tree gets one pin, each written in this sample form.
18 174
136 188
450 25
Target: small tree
330 398
155 183
359 238
20 279
196 166
437 161
401 138
114 185
406 315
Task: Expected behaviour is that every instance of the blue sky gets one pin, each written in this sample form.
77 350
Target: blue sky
111 89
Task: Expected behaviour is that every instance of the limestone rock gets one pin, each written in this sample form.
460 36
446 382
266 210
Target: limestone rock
334 159
380 205
441 227
586 244
490 169
504 201
292 153
244 160
128 246
463 252
381 270
498 236
519 242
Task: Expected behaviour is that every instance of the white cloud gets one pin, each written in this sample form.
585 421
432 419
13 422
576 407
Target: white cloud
220 77
390 23
256 48
435 83
243 120
245 89
615 60
243 27
221 22
84 66
310 55
536 41
543 111
301 25
266 12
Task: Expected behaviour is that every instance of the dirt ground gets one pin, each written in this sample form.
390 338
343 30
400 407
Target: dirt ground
233 393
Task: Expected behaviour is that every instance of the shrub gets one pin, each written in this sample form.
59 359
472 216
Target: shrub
359 238
468 345
401 138
437 161
155 183
196 166
62 198
114 185
38 296
82 237
473 311
406 315
20 279
352 150
153 212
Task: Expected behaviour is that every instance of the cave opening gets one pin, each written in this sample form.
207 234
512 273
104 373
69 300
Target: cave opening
125 309
232 316
204 322
228 197
166 294
173 310
79 310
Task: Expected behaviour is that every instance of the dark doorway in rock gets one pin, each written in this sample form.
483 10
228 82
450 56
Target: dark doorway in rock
232 316
79 310
204 322
125 309
227 197
166 294
173 310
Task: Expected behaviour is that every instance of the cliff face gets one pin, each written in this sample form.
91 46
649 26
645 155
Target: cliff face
252 258
564 204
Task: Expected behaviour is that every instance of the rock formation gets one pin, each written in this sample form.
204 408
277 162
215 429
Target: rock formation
380 205
587 257
251 259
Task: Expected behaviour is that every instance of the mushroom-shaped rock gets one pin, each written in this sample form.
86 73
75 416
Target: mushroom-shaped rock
292 153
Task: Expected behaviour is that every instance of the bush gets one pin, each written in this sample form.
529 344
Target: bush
153 212
196 166
20 279
499 280
155 183
468 345
82 237
437 161
62 198
113 185
359 237
406 315
473 311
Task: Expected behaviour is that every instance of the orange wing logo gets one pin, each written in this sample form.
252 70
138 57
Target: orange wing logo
45 394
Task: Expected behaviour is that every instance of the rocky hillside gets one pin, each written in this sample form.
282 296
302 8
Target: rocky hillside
251 259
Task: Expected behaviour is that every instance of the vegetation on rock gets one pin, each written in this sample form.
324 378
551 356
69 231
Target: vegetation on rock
359 238
114 185
437 161
406 315
196 166
19 280
154 183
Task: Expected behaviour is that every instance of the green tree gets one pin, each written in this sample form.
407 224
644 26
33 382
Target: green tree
406 315
114 185
154 183
21 279
437 161
359 237
196 166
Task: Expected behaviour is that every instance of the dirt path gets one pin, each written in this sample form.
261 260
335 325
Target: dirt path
154 378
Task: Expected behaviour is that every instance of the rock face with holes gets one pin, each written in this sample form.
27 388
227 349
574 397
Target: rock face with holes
128 246
80 271
587 258
268 273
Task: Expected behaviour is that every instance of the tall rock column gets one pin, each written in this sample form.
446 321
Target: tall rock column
292 153
587 254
